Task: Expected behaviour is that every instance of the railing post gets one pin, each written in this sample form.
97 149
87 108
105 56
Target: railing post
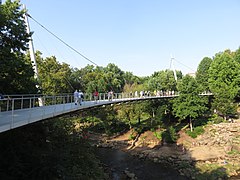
34 100
22 103
30 112
11 125
30 103
7 104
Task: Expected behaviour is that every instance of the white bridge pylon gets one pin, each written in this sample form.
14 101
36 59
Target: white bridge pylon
172 67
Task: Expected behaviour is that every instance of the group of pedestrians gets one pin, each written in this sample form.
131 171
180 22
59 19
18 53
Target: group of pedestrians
157 93
142 94
78 97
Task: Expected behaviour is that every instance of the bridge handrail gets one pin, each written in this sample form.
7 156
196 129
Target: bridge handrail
16 102
22 101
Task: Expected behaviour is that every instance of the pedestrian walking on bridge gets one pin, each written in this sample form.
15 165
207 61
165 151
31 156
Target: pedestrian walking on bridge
76 96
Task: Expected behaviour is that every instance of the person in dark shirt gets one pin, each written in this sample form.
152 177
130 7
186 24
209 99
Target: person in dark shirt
1 96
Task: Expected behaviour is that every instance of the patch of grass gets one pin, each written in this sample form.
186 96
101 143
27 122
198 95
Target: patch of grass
234 152
196 131
211 171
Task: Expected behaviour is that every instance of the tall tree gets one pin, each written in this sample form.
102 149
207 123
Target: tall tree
15 72
237 55
114 77
224 82
189 105
163 80
54 76
202 73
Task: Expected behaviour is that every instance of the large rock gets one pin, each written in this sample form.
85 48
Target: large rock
206 153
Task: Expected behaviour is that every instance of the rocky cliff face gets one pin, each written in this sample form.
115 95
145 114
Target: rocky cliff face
218 147
223 137
216 150
226 135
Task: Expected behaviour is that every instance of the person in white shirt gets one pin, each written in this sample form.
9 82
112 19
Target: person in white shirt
75 95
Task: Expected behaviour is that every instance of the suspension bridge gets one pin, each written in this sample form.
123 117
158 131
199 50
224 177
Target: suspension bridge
20 110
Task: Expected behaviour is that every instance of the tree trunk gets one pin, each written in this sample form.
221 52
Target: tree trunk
190 124
129 121
135 140
153 116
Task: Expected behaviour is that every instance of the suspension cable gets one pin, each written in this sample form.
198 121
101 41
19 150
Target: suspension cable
61 40
184 65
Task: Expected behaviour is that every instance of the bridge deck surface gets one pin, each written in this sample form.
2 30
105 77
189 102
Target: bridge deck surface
16 118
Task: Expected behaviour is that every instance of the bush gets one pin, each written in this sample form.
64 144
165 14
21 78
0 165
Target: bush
196 131
216 119
158 135
170 135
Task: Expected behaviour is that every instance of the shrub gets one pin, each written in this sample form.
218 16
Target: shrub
170 135
196 131
158 135
216 119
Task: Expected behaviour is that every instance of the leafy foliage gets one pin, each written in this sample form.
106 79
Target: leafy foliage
202 73
54 77
15 72
189 103
196 131
224 82
170 135
49 150
163 80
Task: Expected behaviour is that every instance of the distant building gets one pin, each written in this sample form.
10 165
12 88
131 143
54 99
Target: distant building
192 74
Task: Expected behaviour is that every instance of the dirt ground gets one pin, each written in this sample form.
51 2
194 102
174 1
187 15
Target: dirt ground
148 142
186 148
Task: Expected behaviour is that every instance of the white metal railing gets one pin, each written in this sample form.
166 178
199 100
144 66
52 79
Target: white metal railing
19 110
23 101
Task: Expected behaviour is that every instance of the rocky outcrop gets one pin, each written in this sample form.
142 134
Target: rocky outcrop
221 135
220 144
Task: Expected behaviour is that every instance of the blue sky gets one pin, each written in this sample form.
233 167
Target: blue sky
137 35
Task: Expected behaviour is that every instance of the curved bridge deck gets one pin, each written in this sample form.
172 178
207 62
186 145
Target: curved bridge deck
18 111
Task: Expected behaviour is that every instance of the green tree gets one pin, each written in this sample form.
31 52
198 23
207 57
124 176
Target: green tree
202 73
114 77
189 104
163 80
54 76
237 55
15 72
103 79
224 82
130 79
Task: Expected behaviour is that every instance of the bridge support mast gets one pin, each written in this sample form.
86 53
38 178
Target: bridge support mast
173 68
32 54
